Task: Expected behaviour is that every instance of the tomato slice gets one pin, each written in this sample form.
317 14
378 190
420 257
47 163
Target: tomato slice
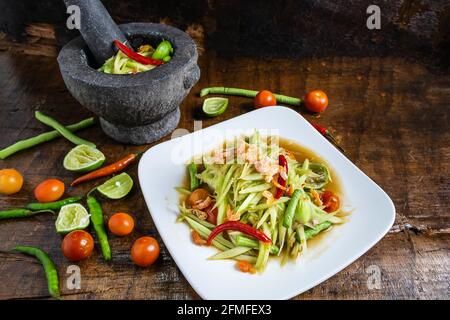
330 201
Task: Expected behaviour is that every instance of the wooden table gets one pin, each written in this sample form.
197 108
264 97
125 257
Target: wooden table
391 116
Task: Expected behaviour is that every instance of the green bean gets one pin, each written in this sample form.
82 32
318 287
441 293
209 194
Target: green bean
49 267
192 168
20 213
44 137
249 94
311 232
243 241
52 205
61 129
290 210
99 226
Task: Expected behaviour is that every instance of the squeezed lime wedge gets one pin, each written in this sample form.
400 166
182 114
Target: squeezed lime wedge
117 187
72 217
83 158
213 107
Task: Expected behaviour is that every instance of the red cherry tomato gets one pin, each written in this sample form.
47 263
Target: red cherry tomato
145 251
77 245
121 224
316 101
330 201
49 190
265 98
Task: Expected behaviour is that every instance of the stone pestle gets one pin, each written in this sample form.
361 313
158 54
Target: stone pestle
97 28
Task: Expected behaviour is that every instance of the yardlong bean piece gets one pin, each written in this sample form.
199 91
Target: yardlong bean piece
44 137
249 94
61 129
309 233
99 226
49 267
52 205
20 213
292 206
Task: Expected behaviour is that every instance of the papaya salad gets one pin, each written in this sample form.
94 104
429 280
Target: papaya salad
253 200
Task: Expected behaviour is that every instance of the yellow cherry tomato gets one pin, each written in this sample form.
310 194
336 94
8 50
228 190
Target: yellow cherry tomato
11 181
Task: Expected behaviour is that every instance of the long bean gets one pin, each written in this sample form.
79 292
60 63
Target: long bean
290 210
52 205
44 137
49 267
309 233
61 129
20 213
99 226
248 93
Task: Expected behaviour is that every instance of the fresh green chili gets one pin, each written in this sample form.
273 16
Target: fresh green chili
44 137
20 213
309 233
61 129
192 168
290 210
163 50
249 94
97 221
52 205
49 267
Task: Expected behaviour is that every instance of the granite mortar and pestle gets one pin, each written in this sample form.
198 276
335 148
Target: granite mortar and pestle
137 108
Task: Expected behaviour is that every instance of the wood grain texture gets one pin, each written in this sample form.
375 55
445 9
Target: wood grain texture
391 116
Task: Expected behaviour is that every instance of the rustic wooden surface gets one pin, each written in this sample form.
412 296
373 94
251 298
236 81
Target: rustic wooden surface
392 118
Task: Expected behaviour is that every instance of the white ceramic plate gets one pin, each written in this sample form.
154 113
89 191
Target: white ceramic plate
162 168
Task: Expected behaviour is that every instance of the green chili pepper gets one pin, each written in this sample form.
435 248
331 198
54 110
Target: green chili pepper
44 137
49 267
309 233
61 129
290 210
52 205
99 226
163 50
20 213
192 168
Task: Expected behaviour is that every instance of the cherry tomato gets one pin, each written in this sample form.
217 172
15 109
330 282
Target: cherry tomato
11 181
49 190
121 224
330 201
145 251
212 214
77 245
316 101
265 98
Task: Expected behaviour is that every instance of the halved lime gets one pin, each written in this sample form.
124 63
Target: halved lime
72 217
213 107
117 187
83 158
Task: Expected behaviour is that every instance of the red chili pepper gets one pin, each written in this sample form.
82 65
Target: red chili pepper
108 170
282 162
238 226
136 56
327 134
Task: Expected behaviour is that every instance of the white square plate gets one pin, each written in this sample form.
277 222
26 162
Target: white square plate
162 168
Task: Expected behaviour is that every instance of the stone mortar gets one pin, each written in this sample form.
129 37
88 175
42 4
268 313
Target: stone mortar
139 108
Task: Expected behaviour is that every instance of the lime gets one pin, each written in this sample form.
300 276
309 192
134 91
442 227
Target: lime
117 187
213 107
72 217
83 158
